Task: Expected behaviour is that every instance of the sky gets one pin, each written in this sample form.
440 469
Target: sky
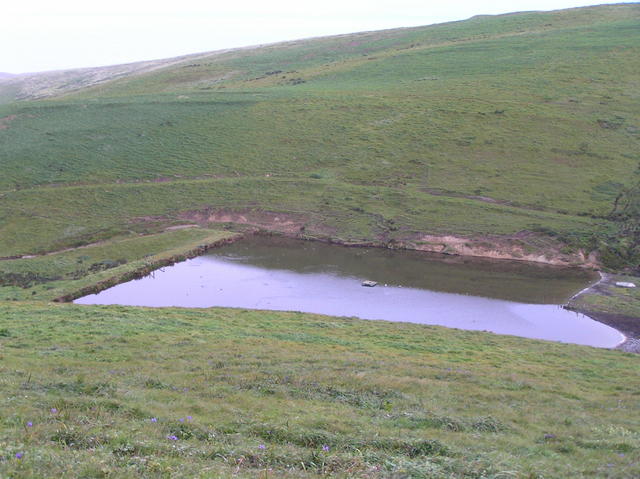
42 35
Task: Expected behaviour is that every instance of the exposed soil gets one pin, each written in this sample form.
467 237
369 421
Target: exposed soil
523 246
290 224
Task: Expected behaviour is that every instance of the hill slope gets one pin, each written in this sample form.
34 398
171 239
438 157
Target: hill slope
258 394
491 126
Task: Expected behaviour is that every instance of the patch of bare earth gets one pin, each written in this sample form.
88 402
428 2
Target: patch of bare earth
524 246
286 223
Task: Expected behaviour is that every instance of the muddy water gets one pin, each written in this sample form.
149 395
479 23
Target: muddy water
265 273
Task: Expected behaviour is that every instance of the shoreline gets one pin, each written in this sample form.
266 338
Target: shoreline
145 270
629 326
243 233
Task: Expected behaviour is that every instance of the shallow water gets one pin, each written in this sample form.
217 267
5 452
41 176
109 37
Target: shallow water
264 273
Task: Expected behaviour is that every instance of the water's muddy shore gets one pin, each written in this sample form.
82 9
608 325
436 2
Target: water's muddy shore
627 325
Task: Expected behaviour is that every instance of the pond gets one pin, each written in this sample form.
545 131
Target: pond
503 297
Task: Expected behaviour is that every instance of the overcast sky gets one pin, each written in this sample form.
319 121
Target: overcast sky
39 35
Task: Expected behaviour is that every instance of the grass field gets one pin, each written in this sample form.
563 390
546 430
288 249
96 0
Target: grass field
518 132
259 394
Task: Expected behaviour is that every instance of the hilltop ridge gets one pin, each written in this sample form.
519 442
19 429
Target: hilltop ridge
58 82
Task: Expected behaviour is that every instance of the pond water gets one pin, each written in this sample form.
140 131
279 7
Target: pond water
513 298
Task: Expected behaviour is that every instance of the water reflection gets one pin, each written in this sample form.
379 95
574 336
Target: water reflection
264 273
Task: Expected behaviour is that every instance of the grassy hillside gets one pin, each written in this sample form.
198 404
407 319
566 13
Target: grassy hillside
262 394
493 125
514 135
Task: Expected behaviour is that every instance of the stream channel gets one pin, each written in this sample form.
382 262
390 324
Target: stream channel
504 297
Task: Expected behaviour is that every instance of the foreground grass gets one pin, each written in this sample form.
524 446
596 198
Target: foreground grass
239 393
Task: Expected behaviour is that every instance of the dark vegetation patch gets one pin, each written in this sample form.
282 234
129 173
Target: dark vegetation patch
367 399
26 279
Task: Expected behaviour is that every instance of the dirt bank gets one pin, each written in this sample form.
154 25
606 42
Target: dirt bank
523 246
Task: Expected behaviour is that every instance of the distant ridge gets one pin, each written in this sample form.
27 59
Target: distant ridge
46 84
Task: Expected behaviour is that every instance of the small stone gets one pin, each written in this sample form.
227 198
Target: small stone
369 284
624 284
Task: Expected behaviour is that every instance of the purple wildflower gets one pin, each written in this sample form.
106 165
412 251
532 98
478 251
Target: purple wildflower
262 446
181 419
325 448
154 419
189 418
19 455
29 424
54 410
173 437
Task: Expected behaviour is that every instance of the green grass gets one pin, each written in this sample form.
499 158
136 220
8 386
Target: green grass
390 400
483 129
60 274
614 299
51 218
535 111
